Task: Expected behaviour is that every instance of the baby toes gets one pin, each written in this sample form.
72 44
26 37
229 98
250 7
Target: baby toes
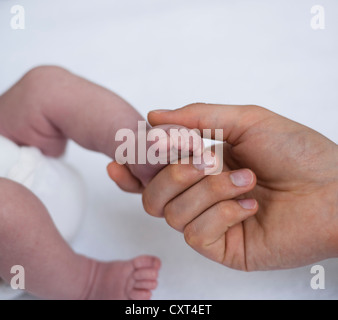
144 278
146 284
146 274
137 294
146 262
143 281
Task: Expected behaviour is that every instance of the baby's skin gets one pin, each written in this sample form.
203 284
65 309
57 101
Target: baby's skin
48 106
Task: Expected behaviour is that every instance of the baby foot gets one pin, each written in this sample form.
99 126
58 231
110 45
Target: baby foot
167 144
125 280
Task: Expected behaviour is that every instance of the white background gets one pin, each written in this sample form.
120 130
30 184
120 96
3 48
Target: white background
165 54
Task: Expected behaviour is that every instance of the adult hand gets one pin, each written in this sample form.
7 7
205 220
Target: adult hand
297 183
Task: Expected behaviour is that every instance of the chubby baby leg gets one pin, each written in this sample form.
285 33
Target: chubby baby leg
29 238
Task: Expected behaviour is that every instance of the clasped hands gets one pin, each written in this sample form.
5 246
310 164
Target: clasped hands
274 205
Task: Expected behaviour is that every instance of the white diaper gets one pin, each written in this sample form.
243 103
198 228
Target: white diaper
56 184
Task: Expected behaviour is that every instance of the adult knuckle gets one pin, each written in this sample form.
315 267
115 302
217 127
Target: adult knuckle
169 216
172 217
191 235
216 184
176 175
195 105
255 110
147 203
227 211
211 185
254 106
223 209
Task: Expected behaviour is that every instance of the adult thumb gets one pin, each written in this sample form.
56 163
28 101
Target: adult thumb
234 120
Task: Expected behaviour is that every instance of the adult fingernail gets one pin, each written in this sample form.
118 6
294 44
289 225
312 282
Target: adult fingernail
242 178
208 161
160 110
248 204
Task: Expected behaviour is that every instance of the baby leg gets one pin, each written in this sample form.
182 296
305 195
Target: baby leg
50 105
29 238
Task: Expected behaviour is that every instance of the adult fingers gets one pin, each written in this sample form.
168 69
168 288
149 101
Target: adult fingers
207 233
233 120
173 180
121 175
205 194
